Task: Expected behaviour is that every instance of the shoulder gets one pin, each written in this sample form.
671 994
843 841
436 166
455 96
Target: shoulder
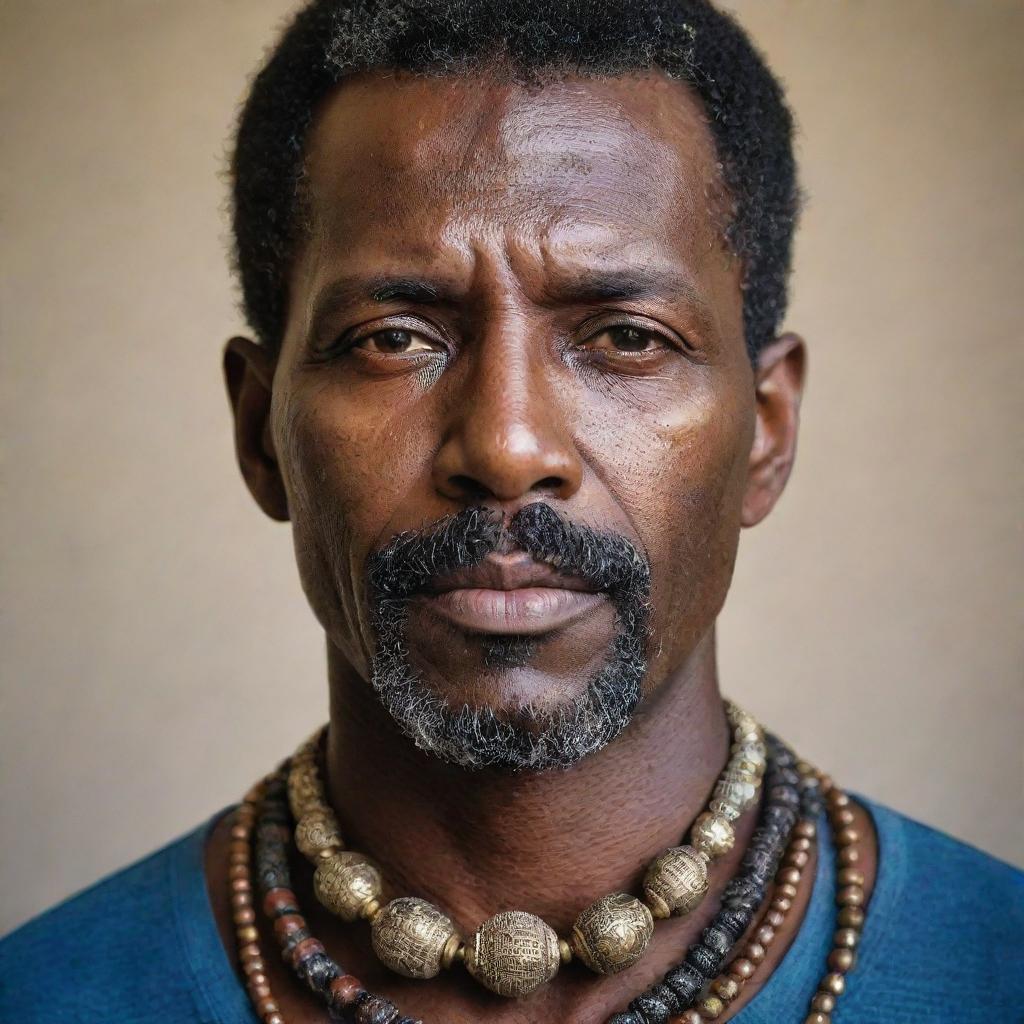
943 926
135 946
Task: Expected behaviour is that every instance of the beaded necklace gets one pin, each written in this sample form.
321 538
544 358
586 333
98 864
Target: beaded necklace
694 991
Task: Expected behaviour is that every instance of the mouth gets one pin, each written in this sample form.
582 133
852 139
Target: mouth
507 594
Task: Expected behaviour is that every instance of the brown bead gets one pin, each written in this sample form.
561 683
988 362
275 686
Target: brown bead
239 900
850 876
288 925
846 938
850 896
754 952
267 1005
801 843
824 1001
741 968
253 966
241 885
236 871
259 991
788 890
837 798
843 818
247 933
307 947
244 915
851 917
842 960
789 876
726 988
277 899
273 1018
239 832
688 1017
847 837
848 857
796 859
765 935
346 989
782 904
834 983
817 1018
774 918
805 829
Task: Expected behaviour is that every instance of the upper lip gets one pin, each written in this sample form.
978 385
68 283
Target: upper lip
508 572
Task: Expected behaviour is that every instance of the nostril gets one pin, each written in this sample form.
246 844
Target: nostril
468 487
549 483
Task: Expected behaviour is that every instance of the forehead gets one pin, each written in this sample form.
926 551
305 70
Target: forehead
413 167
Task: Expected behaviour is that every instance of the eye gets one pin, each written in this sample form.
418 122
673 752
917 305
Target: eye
396 341
625 339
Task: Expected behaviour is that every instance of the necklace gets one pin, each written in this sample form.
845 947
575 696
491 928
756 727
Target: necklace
515 952
261 834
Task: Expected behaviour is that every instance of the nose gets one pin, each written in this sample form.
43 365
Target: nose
508 438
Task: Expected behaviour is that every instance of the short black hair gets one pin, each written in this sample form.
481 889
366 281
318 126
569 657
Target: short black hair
689 40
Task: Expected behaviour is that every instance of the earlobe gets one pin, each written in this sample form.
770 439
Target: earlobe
249 375
779 382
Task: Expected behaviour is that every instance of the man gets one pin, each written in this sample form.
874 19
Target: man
516 277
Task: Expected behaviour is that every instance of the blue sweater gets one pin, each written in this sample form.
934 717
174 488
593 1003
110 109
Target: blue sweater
943 942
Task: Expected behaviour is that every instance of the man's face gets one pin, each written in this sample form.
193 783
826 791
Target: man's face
513 296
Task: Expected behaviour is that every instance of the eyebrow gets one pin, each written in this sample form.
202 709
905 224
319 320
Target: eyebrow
346 291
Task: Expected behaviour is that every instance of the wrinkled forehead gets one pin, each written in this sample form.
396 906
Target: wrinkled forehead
624 162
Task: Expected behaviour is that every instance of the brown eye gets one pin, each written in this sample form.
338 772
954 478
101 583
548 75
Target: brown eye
396 341
625 338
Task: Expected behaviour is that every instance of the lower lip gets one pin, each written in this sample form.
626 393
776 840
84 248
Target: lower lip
526 611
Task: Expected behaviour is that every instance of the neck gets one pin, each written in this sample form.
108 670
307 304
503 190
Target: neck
552 842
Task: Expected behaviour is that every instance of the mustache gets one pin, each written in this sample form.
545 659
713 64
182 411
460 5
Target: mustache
415 558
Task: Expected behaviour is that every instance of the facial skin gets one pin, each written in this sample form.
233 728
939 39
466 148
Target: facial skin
514 295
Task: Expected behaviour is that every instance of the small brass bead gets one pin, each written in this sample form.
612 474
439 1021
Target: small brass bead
847 837
765 935
787 889
817 1018
513 953
843 818
851 917
727 989
754 952
789 876
850 876
834 983
850 896
710 1008
690 1016
841 960
411 937
613 933
318 832
838 799
345 883
846 938
848 857
676 882
824 1001
247 933
713 835
565 950
774 918
801 843
796 859
370 909
782 904
805 829
741 968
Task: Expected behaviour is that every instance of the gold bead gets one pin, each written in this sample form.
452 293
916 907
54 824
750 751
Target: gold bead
848 857
754 952
834 984
513 953
842 960
724 809
316 833
850 896
737 788
847 837
676 882
413 938
805 829
842 818
613 933
850 876
741 969
851 917
711 1007
345 882
727 989
712 834
824 1001
564 951
846 938
817 1018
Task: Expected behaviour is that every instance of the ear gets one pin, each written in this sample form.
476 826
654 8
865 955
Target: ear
249 374
779 383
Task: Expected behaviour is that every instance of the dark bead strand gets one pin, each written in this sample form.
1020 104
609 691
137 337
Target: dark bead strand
344 994
740 899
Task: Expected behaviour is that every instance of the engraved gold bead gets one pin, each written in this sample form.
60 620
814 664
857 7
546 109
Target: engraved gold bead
413 938
737 788
318 832
712 834
613 933
346 881
513 953
724 809
711 1007
676 882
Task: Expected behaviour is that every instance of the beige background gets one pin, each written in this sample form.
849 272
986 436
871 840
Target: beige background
157 653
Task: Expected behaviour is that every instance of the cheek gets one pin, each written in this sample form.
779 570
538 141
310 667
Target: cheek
342 489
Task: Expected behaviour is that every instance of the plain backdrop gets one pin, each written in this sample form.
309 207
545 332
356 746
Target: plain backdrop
157 652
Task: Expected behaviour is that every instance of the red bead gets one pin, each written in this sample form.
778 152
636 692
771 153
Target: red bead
346 989
289 923
307 947
278 900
